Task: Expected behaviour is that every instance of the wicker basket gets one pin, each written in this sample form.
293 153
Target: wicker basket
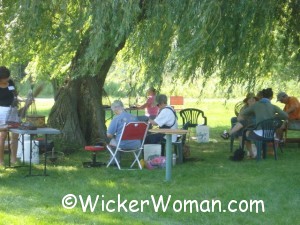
37 120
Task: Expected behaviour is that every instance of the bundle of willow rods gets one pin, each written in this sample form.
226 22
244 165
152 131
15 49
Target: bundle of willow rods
30 99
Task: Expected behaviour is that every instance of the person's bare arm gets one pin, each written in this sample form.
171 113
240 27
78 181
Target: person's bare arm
152 122
291 109
142 106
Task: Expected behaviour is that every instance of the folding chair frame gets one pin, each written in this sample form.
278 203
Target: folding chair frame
130 131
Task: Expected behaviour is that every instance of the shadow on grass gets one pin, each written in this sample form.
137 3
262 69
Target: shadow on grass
211 176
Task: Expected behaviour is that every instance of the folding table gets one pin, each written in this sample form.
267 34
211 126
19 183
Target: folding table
39 131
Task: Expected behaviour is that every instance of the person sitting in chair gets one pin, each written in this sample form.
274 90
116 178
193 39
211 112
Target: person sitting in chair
292 108
263 110
243 122
166 119
292 105
114 130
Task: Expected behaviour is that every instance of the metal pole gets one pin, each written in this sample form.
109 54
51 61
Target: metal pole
30 157
45 162
168 157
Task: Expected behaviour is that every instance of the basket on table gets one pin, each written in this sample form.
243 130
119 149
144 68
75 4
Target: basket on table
36 120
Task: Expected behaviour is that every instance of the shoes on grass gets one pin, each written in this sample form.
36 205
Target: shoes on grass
225 135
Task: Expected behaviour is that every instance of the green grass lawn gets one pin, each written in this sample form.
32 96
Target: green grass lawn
208 176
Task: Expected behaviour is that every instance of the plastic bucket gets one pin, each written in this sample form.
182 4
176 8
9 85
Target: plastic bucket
202 133
35 150
151 150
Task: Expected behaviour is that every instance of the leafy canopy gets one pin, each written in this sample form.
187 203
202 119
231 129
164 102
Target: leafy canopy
239 41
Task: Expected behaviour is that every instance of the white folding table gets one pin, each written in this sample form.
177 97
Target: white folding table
39 131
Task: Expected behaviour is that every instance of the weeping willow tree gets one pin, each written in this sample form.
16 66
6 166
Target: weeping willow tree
241 42
74 43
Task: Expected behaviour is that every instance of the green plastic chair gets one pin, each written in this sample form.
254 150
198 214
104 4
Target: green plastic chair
268 128
192 116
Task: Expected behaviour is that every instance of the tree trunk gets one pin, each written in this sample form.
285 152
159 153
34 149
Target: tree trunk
78 110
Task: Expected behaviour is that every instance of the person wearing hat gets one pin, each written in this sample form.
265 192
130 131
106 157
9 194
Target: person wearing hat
292 105
264 110
292 108
150 107
166 119
242 122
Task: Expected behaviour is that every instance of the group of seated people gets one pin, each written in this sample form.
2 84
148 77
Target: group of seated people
258 108
158 113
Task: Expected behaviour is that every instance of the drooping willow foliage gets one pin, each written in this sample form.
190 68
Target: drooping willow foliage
49 34
238 40
74 43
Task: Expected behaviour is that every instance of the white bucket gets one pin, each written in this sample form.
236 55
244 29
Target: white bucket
151 150
35 150
202 133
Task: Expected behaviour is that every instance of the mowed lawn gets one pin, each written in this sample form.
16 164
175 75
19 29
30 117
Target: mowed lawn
207 189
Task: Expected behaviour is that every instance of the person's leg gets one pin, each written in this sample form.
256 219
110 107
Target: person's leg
279 132
251 148
14 148
236 128
154 138
143 118
2 142
257 147
247 143
152 117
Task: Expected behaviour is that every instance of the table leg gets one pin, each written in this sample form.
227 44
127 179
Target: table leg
23 149
8 146
45 160
30 154
168 157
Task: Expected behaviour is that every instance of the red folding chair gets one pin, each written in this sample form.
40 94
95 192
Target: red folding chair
130 131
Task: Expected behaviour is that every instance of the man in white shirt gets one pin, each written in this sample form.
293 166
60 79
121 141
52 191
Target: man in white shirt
166 119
